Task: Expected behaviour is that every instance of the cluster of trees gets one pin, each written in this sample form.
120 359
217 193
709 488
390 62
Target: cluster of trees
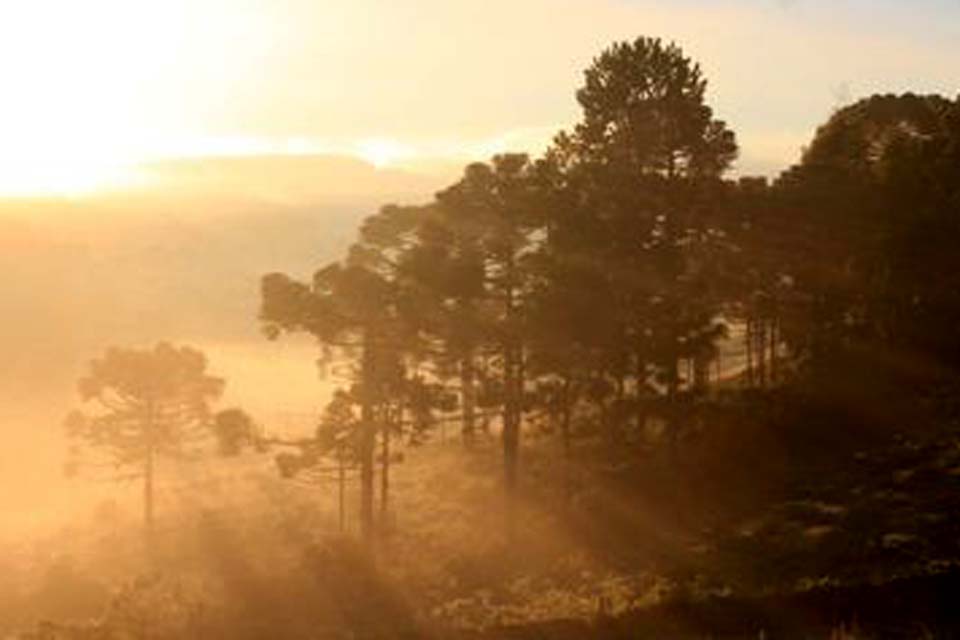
578 278
605 286
596 285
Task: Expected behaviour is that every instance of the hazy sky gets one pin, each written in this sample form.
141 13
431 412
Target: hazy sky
93 84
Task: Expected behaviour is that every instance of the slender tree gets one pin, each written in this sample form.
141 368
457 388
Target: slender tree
645 165
144 403
356 310
499 201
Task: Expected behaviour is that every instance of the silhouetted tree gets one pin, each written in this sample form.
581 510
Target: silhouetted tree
234 430
145 403
355 309
644 165
334 448
444 275
499 202
873 209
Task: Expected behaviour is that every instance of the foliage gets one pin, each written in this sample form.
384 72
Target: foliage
234 430
754 385
148 403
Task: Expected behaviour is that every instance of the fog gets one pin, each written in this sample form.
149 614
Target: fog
176 258
610 386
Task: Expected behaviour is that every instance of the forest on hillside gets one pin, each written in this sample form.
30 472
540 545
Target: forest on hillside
609 391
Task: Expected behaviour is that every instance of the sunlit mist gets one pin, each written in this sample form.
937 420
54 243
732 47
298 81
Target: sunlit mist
444 320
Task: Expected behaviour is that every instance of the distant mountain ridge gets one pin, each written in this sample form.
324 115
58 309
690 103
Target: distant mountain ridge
292 179
178 257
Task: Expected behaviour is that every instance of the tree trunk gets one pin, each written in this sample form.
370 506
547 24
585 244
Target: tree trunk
368 433
341 488
148 480
761 352
673 410
148 474
718 364
468 395
674 425
565 410
774 339
615 416
639 390
513 387
701 372
511 422
511 446
385 471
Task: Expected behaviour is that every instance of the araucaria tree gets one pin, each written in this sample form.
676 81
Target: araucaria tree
143 404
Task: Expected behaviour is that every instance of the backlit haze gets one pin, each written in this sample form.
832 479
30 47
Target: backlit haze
157 157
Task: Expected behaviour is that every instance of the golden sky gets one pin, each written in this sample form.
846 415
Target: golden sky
93 86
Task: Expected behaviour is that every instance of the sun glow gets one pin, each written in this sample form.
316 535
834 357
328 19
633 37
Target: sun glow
383 152
62 172
93 88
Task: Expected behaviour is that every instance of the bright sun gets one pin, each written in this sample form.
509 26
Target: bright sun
382 152
71 74
60 173
93 89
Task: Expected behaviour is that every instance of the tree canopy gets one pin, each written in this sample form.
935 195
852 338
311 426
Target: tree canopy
144 403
